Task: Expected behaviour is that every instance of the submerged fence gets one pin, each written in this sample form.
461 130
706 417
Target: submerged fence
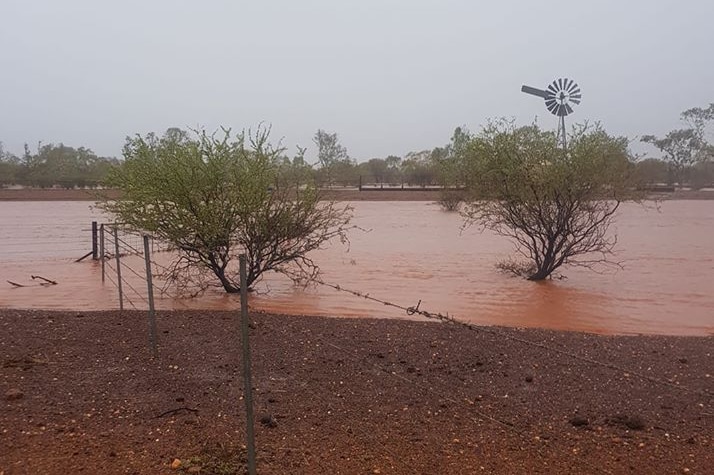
127 259
127 263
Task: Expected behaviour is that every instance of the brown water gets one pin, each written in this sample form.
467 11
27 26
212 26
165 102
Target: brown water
412 252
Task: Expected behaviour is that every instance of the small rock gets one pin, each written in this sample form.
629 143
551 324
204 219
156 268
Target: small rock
269 421
683 360
579 421
180 399
194 469
529 379
635 423
14 394
176 464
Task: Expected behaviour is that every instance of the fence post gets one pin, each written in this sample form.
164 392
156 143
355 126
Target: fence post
102 252
150 284
95 252
116 252
247 384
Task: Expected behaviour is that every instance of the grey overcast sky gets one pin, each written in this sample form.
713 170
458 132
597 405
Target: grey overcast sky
388 76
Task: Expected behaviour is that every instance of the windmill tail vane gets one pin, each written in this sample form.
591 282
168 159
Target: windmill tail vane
560 96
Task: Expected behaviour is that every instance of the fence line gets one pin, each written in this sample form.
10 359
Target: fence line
416 310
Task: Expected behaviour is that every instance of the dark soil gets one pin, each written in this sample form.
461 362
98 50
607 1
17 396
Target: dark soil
81 394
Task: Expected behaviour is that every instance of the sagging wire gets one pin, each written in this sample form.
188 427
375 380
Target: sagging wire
415 310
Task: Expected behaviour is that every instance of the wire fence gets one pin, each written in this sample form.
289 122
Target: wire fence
127 256
446 318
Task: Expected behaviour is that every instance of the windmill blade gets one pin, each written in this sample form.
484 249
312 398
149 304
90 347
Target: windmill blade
560 83
535 92
573 86
568 109
575 101
553 87
575 91
553 108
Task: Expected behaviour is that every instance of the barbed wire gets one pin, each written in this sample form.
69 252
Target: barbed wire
416 310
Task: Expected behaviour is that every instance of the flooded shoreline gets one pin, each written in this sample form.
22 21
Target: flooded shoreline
412 252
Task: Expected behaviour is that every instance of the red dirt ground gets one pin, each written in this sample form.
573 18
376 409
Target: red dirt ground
81 394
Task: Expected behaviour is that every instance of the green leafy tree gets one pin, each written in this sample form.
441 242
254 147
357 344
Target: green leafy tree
555 205
216 196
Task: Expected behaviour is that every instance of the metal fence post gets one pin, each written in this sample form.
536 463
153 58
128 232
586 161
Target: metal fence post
101 248
150 286
95 252
116 251
247 384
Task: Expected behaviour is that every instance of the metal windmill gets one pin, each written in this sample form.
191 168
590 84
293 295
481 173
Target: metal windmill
560 97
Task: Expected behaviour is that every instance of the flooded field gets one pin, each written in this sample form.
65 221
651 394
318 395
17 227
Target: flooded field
413 251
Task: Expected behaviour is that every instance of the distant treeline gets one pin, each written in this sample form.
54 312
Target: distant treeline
687 159
54 166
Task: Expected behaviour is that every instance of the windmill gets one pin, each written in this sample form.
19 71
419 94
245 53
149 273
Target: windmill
560 97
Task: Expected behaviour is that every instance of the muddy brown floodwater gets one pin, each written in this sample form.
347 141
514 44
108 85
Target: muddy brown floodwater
413 251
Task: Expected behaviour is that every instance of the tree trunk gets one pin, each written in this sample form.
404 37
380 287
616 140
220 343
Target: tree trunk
228 286
542 274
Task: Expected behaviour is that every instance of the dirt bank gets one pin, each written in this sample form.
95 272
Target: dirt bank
80 394
36 194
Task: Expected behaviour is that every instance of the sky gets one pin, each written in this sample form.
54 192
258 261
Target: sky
388 76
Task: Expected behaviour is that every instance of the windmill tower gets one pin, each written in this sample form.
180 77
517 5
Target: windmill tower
560 97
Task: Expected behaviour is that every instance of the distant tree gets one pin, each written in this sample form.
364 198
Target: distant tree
215 196
329 153
60 165
680 148
296 170
683 148
345 172
418 168
9 167
393 168
700 119
378 169
555 205
652 170
702 175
